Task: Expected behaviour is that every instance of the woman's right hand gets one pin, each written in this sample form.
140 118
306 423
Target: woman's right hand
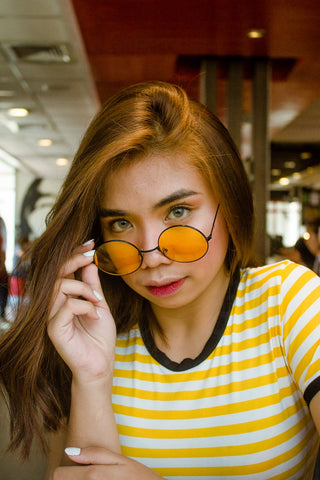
80 325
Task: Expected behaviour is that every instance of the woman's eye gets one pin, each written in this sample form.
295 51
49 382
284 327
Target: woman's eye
178 213
119 225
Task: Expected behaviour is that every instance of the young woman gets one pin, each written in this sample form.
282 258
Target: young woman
150 346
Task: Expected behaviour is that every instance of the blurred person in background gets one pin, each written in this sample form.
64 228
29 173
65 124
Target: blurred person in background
306 247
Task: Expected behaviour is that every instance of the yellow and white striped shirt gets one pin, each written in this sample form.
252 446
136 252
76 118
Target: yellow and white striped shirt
238 411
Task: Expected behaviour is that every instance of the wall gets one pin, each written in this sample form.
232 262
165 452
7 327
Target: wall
34 199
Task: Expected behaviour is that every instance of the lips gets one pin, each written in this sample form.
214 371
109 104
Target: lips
165 290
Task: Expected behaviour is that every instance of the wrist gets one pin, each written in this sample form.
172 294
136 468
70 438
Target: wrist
84 384
94 374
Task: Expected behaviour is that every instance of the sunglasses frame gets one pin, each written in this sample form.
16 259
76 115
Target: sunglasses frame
140 252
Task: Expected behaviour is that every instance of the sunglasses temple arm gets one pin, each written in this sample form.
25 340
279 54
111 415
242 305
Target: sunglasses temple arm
214 221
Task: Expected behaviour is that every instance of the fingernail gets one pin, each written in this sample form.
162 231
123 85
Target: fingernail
98 313
87 242
90 253
72 451
97 294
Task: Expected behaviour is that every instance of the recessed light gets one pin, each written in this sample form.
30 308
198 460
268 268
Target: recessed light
62 162
44 142
256 33
284 181
305 155
18 112
290 164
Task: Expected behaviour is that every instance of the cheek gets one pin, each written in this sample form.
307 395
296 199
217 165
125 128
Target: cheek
131 280
220 240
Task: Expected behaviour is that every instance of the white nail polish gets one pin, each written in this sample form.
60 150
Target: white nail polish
98 313
97 294
87 242
90 253
72 451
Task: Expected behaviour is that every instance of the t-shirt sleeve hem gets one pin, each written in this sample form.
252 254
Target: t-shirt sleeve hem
312 390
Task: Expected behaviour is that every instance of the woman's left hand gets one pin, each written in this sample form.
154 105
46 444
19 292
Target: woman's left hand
103 464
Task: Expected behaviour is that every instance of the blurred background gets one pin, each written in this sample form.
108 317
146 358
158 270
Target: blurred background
256 64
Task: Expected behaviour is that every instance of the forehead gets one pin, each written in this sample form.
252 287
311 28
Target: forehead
152 178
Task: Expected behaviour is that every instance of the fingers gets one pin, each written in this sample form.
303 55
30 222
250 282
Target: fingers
66 288
89 288
108 464
89 472
97 458
67 473
71 308
90 277
94 456
81 257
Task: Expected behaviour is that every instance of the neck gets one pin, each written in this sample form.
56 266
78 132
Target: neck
186 330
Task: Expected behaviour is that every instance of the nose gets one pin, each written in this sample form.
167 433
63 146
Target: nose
151 255
153 258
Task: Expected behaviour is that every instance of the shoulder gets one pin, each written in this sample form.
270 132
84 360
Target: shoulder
292 288
284 276
280 270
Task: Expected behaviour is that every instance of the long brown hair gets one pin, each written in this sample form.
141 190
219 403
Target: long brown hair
147 118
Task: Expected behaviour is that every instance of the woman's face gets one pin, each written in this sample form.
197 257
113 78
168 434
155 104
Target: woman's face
143 199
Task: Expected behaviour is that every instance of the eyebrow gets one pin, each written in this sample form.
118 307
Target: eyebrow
173 197
109 212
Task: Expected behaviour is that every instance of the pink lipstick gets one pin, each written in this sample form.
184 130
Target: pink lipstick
166 290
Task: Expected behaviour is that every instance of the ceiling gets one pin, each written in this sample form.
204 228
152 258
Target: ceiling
60 94
61 59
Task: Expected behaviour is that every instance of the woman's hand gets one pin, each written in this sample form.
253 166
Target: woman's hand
80 325
100 463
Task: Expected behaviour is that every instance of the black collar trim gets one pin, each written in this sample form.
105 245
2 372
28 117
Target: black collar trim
212 342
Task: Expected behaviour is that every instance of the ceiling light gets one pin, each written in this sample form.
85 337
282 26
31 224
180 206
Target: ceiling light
62 162
44 142
18 112
284 181
256 33
305 155
290 164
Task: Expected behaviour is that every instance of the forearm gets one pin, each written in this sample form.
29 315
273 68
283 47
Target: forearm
92 421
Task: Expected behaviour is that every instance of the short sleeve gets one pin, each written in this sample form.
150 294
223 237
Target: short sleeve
300 313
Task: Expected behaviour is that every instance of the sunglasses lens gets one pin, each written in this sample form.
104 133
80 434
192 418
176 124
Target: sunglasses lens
117 258
183 244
